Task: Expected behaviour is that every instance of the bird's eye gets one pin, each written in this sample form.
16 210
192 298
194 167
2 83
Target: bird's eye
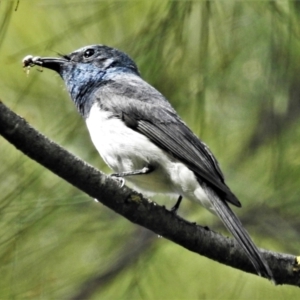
88 53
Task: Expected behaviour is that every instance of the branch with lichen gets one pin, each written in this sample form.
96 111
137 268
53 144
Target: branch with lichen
134 206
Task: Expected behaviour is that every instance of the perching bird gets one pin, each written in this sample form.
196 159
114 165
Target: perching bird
141 137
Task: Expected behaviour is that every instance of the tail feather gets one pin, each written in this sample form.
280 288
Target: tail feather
234 225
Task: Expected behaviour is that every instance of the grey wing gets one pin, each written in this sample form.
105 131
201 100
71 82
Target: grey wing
168 132
146 111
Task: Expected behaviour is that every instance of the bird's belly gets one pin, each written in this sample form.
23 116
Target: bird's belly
124 150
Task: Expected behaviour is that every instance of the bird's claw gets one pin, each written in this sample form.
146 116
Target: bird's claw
174 210
120 180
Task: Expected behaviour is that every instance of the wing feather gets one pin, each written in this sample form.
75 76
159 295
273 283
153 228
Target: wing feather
145 110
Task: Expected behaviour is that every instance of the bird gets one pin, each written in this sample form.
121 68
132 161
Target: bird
141 137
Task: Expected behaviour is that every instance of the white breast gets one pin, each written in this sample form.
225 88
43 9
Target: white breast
124 149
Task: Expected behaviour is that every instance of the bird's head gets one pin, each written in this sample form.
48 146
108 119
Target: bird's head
100 57
86 68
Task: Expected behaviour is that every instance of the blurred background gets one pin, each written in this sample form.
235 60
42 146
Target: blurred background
231 70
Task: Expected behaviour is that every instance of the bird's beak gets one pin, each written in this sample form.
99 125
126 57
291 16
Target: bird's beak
52 63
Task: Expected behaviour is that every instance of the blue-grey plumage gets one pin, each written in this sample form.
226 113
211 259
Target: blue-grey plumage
135 128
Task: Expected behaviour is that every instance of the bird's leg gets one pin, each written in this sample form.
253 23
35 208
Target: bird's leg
177 204
119 176
145 170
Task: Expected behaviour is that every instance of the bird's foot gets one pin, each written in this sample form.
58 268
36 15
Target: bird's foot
175 208
119 179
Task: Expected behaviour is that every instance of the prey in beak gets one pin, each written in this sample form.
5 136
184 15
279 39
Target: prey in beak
52 63
30 61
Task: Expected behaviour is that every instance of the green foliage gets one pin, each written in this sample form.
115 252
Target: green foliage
230 68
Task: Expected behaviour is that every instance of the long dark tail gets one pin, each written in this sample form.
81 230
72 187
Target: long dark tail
234 225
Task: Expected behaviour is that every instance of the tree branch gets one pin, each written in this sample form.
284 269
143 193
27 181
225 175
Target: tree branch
134 206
